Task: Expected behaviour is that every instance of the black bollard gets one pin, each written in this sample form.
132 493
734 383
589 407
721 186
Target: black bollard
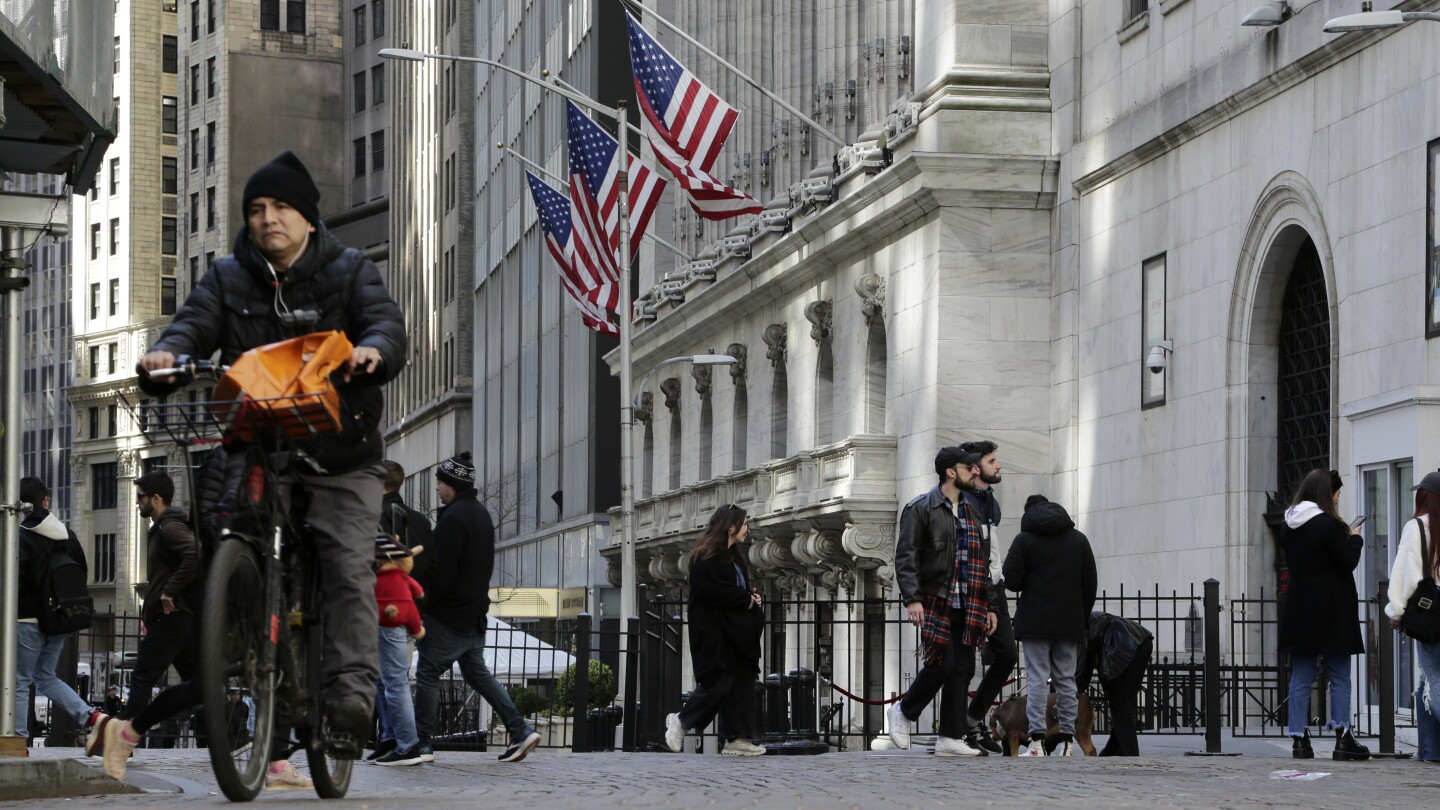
802 705
777 708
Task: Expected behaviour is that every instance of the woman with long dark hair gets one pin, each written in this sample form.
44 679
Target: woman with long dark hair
725 625
1318 618
1410 567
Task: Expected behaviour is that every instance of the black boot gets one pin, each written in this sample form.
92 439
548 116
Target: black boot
1346 747
1301 748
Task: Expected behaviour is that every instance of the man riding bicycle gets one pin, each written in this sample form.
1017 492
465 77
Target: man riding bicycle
285 261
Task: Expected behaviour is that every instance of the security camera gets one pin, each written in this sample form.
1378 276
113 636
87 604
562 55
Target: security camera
1156 360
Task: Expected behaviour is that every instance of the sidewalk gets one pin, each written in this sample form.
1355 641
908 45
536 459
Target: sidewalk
1164 778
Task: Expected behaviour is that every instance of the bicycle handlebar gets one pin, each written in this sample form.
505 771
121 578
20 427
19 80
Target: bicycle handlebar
185 370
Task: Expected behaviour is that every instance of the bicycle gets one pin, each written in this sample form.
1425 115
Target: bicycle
262 625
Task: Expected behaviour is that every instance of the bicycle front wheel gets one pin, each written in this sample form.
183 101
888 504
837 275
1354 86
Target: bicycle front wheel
239 697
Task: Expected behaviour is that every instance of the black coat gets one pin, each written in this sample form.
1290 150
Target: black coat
1319 613
173 563
235 308
417 530
457 579
1052 567
724 628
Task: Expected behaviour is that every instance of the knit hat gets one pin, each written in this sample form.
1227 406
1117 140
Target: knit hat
950 456
457 471
286 179
1035 500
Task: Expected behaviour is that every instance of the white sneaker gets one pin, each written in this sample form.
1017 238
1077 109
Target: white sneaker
1062 749
1035 749
949 747
741 748
287 779
899 727
674 733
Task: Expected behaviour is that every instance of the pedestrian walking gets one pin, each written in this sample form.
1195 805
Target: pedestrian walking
169 612
1052 567
112 705
1318 616
1000 653
395 594
941 569
54 602
417 526
457 588
726 620
1418 557
1118 650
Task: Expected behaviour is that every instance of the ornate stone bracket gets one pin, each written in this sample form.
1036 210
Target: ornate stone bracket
702 379
819 315
737 369
775 336
871 289
646 411
873 547
670 387
129 463
77 469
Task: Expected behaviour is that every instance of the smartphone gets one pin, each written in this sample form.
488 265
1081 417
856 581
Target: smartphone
1355 524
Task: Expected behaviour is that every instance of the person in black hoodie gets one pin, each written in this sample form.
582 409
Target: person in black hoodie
457 598
726 621
1118 650
285 261
1318 618
1052 567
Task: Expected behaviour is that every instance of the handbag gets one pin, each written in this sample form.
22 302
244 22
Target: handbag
1421 620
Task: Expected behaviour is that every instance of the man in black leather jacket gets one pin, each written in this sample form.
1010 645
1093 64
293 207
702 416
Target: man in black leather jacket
285 261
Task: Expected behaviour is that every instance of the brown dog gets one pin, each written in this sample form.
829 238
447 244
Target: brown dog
1012 730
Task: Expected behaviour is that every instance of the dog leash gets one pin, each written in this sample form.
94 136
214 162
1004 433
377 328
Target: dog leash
901 696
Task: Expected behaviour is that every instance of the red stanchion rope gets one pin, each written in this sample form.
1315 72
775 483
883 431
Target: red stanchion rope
869 702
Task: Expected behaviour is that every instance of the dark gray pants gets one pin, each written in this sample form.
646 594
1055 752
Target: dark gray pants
345 515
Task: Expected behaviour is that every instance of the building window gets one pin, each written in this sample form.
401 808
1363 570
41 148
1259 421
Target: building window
359 144
359 82
169 116
194 271
210 144
169 175
447 84
210 77
1432 245
194 20
295 16
1135 8
360 29
114 176
167 296
209 16
112 413
94 362
114 296
269 15
194 149
167 236
449 183
1152 327
95 241
112 354
195 212
377 85
105 556
103 486
210 214
377 150
94 423
117 56
94 300
194 85
169 54
377 13
115 237
168 5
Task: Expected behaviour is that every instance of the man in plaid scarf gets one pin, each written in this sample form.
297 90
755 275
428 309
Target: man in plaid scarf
941 569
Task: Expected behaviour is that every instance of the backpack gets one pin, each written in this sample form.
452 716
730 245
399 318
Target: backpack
65 603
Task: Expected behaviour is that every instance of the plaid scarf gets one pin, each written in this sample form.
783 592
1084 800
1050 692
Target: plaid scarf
970 572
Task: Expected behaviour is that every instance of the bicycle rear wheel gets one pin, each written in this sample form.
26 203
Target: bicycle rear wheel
331 775
235 631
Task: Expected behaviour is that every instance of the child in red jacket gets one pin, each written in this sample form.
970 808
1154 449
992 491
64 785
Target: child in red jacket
395 593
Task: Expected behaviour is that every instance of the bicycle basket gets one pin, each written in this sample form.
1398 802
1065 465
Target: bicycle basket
284 386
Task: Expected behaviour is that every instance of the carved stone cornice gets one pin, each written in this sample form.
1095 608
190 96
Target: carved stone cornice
818 549
871 289
775 336
871 544
737 369
702 377
820 318
666 568
670 387
646 411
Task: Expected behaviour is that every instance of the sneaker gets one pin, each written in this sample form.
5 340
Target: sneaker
426 751
1301 748
1348 748
114 742
948 747
899 727
978 737
741 748
287 778
1035 749
674 733
519 750
397 757
381 749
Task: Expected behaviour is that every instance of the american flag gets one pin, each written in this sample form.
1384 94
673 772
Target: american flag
691 118
594 200
554 211
709 197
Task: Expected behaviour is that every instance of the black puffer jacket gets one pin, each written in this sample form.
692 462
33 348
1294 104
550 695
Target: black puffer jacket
1052 567
236 307
462 558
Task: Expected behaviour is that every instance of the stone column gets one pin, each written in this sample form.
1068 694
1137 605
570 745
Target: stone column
129 536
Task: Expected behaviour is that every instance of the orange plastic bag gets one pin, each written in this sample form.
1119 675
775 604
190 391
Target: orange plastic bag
284 385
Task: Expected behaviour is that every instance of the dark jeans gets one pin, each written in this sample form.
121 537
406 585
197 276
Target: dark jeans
950 679
729 695
441 647
169 639
1003 657
1122 693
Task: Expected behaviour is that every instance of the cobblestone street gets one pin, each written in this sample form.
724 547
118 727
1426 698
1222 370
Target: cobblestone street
558 781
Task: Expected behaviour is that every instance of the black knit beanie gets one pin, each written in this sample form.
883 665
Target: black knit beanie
286 179
457 471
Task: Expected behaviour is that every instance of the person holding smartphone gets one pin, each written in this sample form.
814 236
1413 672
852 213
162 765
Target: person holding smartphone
1318 620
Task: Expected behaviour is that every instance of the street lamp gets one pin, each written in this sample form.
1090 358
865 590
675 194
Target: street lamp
411 55
1375 20
711 359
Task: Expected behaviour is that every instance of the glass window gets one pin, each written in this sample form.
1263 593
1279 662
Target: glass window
359 144
103 485
94 422
210 213
195 19
377 85
1432 246
95 241
1388 504
195 212
114 296
169 175
209 16
269 15
117 56
210 144
167 296
210 77
167 236
359 82
295 16
112 353
377 150
360 29
113 419
94 300
169 118
114 176
169 54
194 149
115 237
377 14
194 84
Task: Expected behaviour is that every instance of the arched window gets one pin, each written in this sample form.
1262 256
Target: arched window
875 379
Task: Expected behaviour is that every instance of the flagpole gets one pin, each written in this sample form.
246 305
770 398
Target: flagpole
628 608
814 125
